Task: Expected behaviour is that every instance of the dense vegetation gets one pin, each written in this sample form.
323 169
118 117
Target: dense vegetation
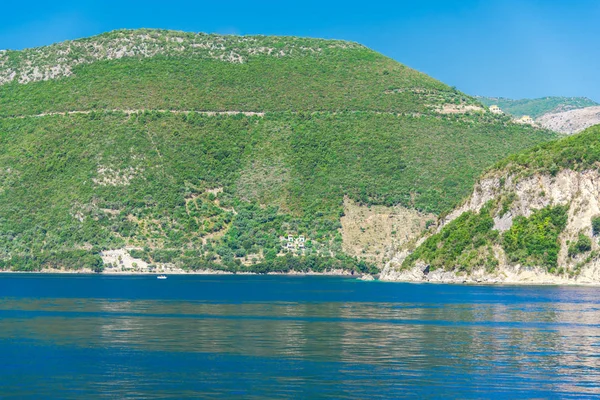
107 179
534 241
221 191
463 244
538 107
577 152
467 242
339 77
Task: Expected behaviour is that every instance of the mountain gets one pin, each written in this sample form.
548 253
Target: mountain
162 150
536 108
534 218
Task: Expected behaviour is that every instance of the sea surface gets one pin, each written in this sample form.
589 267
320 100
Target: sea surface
84 336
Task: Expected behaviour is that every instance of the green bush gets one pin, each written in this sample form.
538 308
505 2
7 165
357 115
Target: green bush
576 152
534 241
596 225
582 245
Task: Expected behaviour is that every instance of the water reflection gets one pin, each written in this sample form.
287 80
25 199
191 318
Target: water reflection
338 349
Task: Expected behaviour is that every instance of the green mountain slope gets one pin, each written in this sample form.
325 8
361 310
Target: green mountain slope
164 70
578 152
538 107
202 151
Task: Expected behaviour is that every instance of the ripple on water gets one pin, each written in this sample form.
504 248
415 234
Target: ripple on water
288 337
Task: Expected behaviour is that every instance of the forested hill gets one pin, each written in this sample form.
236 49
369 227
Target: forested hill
165 70
196 151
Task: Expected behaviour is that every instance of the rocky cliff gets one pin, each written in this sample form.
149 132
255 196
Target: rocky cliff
535 219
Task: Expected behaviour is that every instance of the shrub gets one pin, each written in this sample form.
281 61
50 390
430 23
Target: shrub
596 225
534 240
582 245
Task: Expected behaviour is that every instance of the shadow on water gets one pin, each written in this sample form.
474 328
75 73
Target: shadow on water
136 337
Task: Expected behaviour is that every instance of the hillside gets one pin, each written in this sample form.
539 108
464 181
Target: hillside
534 218
158 149
166 70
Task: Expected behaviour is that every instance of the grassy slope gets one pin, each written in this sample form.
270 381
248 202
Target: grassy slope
297 164
538 107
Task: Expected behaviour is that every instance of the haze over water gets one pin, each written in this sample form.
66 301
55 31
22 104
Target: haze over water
292 337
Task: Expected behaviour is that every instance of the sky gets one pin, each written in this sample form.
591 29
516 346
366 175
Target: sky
508 48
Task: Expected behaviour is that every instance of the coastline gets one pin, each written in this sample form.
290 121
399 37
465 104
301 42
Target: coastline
504 276
87 271
384 278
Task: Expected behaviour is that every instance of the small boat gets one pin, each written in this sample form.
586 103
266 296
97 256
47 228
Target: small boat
161 277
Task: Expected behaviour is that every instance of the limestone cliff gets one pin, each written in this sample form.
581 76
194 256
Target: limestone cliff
527 224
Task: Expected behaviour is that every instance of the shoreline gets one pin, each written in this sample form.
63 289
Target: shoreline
344 274
340 273
497 284
515 276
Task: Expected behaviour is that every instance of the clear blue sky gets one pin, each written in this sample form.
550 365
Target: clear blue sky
510 48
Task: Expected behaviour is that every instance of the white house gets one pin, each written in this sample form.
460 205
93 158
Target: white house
526 119
496 110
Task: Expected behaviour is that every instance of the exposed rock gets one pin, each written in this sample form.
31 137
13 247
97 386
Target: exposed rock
58 60
579 190
376 232
573 121
458 109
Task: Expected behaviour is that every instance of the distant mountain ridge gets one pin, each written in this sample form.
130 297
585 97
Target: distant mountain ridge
573 121
535 108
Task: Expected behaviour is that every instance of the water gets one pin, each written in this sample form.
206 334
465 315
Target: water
293 337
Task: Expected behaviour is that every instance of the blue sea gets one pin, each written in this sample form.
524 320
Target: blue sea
130 337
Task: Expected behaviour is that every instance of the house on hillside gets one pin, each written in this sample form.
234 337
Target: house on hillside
293 244
526 119
496 110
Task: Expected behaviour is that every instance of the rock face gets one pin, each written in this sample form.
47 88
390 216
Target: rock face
373 233
580 191
570 122
505 274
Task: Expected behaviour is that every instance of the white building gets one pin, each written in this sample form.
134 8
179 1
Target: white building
496 110
526 119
